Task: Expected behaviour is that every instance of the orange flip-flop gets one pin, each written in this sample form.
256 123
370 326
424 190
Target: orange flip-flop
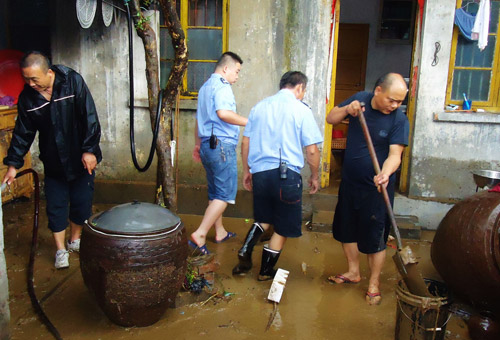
343 278
371 298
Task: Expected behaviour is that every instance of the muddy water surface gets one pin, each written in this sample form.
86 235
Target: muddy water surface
311 308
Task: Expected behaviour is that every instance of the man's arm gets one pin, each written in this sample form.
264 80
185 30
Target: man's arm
337 114
231 117
313 157
391 164
247 176
10 175
197 143
22 138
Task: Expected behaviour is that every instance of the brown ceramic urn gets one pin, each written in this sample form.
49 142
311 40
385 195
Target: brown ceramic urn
466 250
133 260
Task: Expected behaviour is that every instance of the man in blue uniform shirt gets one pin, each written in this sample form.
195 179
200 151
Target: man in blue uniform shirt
216 136
361 222
278 128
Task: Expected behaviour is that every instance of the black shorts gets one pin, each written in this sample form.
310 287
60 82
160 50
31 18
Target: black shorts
71 199
361 217
278 201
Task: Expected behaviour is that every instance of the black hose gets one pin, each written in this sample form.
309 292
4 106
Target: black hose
131 86
34 241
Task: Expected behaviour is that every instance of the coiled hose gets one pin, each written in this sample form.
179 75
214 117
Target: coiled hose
131 87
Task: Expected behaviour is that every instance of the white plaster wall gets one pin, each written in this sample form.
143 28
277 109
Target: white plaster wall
258 33
382 57
445 153
256 36
310 54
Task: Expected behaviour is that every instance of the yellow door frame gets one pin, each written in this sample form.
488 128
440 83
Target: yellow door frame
411 105
327 144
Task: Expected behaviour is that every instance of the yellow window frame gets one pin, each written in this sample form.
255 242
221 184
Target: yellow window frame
493 104
184 19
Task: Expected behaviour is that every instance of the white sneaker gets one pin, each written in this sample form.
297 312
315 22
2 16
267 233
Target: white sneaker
73 246
62 259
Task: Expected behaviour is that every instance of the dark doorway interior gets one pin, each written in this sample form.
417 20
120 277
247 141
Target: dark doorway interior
350 79
25 25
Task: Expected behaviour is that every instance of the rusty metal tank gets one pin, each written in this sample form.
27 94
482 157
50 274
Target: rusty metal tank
133 260
466 250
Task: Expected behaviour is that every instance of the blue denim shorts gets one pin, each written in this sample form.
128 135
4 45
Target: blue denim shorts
221 169
71 199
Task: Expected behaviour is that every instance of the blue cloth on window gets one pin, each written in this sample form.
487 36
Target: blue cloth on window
465 21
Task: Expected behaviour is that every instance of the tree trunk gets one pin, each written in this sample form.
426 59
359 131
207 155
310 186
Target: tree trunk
165 176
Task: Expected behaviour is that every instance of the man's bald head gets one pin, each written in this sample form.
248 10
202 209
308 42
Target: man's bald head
389 93
35 59
391 79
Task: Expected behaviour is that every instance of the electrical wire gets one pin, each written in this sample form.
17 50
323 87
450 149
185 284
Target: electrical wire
437 47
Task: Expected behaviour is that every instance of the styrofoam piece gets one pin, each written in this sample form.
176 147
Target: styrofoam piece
278 285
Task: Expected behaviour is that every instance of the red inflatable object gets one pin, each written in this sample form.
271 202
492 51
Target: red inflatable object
11 81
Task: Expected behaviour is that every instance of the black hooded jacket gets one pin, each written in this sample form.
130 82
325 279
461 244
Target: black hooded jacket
68 126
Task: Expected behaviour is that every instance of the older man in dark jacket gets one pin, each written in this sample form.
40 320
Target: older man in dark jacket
57 103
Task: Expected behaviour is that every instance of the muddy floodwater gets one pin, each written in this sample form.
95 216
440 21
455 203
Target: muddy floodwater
310 308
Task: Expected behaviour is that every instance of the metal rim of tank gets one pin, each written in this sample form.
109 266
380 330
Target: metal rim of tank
91 225
486 178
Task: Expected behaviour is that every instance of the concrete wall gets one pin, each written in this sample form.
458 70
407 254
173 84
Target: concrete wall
446 147
271 37
100 54
382 57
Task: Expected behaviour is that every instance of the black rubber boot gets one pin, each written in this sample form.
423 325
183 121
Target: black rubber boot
269 259
245 253
267 234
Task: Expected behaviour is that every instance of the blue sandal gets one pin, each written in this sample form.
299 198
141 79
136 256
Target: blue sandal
228 236
203 249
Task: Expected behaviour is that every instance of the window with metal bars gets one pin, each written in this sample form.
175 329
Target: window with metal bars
205 25
474 72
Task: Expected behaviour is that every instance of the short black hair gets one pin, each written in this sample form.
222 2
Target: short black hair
35 58
293 78
226 57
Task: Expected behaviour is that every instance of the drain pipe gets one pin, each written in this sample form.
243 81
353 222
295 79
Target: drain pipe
131 87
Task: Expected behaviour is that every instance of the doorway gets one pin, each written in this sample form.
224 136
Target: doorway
350 79
25 25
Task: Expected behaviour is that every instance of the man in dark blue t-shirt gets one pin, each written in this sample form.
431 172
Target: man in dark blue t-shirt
361 222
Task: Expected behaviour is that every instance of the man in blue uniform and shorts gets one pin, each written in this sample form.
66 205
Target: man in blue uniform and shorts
361 222
216 137
278 129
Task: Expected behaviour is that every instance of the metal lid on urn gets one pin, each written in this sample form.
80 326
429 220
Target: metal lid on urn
137 218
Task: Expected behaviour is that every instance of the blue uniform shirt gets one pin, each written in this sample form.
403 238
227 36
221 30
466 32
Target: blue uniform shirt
216 94
280 122
385 129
